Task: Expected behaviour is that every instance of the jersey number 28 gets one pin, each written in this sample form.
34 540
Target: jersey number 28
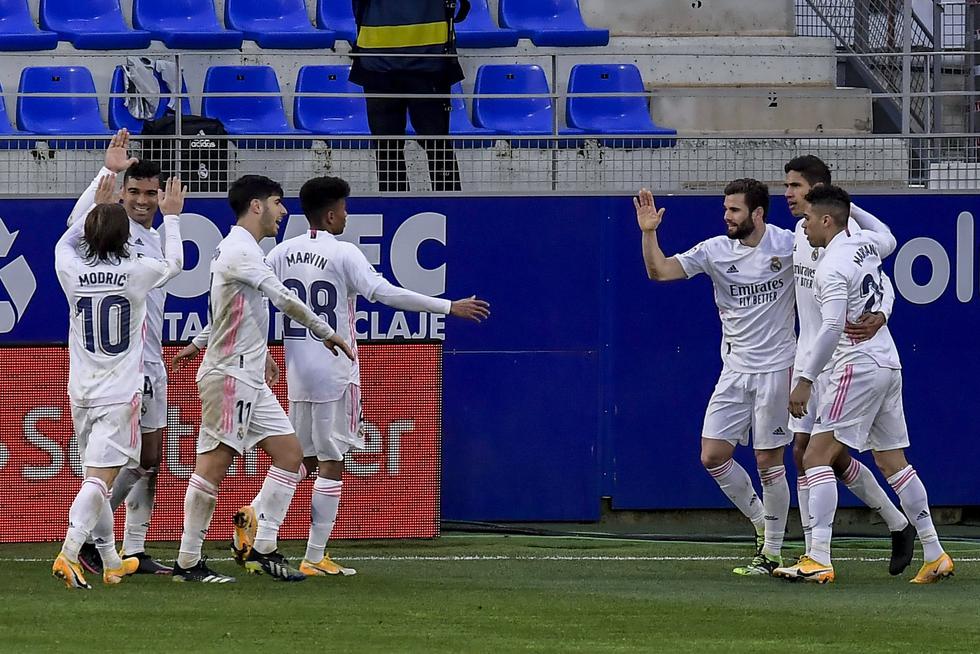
321 298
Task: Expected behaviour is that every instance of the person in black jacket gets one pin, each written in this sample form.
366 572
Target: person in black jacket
409 49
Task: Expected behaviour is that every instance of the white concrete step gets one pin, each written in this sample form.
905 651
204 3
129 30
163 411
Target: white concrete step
685 17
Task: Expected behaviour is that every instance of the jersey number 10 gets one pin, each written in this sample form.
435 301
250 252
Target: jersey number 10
105 319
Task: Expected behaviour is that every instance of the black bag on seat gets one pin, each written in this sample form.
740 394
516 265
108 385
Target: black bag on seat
203 161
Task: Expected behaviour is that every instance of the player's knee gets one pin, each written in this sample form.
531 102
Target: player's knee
712 460
331 469
799 449
289 457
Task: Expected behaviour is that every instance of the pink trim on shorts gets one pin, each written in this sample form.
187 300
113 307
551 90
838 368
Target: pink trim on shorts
845 383
134 418
228 406
350 321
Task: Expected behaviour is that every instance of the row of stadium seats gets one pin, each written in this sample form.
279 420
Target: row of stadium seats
242 115
193 25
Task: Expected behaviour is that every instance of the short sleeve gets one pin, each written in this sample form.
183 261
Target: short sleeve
695 260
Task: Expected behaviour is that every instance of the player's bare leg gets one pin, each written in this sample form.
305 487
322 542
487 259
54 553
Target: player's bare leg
915 502
323 515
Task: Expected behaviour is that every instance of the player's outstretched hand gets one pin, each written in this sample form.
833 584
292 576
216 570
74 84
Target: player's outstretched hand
335 343
106 191
185 355
271 371
799 398
866 326
647 214
117 157
470 308
172 202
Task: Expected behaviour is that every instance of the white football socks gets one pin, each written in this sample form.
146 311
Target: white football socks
861 481
775 499
323 515
736 484
912 494
83 515
273 502
199 503
803 498
823 507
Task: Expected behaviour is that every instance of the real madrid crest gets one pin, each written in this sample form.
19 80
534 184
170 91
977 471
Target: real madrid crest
775 265
815 254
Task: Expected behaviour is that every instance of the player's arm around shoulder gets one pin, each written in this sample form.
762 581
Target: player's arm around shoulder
659 267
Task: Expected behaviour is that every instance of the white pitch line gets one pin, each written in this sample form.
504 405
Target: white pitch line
555 557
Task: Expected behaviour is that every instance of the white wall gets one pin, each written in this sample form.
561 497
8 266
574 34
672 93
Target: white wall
670 17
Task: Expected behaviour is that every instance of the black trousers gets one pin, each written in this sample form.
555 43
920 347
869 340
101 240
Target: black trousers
430 117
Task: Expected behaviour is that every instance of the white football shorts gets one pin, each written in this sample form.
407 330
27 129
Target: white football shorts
804 425
862 406
154 397
328 430
108 436
237 415
744 403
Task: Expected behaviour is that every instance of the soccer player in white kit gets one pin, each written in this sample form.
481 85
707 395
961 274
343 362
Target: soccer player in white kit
861 406
107 286
137 485
802 174
324 391
751 268
238 409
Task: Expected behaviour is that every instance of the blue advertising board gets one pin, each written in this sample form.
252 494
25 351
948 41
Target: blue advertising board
588 380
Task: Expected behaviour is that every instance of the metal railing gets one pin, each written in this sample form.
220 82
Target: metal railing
518 164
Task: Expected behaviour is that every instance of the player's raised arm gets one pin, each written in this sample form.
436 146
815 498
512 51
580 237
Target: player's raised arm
171 206
117 160
880 233
659 266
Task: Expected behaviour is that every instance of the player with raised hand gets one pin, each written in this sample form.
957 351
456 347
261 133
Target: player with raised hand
802 174
861 405
751 268
107 287
137 485
238 409
324 391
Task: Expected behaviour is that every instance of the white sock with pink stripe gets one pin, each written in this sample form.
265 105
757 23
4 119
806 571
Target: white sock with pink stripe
323 515
803 497
274 498
912 493
83 515
823 508
105 538
775 499
737 485
199 502
861 481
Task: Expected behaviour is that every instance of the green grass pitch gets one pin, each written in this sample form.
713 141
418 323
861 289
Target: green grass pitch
464 593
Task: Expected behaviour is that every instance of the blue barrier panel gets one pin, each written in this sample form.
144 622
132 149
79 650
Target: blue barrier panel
589 379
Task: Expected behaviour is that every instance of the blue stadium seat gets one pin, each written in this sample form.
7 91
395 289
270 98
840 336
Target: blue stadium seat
53 116
329 115
479 31
91 24
247 115
18 31
518 116
119 115
550 22
338 17
185 24
276 24
7 130
614 115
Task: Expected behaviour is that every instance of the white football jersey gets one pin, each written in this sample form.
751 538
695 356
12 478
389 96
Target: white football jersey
753 289
851 269
238 310
108 303
327 275
144 242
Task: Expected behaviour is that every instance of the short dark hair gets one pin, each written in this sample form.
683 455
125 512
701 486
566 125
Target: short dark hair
811 168
321 194
251 187
756 193
833 199
106 234
142 169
